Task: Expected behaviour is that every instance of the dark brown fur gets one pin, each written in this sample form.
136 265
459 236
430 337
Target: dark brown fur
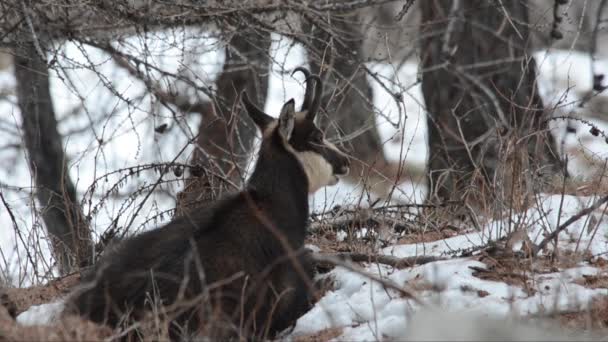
239 262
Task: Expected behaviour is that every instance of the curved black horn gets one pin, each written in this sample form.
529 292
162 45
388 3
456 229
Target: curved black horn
258 116
308 95
316 102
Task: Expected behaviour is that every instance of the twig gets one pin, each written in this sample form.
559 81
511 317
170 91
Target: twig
557 19
508 17
593 128
566 224
597 79
488 92
502 274
18 232
182 102
384 259
346 220
404 10
392 207
158 181
385 282
453 17
348 5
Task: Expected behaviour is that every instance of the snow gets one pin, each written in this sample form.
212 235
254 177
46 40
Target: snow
367 309
537 221
364 308
476 326
42 314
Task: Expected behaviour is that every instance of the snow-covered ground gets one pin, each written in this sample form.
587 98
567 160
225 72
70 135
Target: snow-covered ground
365 309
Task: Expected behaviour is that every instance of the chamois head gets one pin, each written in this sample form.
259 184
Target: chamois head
322 161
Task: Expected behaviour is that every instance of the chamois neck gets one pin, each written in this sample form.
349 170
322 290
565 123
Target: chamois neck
280 183
278 173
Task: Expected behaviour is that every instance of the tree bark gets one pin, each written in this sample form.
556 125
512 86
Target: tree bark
348 104
226 132
70 233
488 135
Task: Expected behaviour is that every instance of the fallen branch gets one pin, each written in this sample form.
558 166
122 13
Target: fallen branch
348 220
383 259
390 216
354 268
571 220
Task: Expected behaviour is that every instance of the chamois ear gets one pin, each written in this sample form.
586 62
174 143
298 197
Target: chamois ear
261 119
287 119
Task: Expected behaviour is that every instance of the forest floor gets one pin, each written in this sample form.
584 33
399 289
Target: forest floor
488 269
457 266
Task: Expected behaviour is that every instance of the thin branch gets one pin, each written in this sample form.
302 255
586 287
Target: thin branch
181 102
454 16
353 268
384 259
566 224
488 92
158 181
18 232
346 220
597 79
406 7
557 19
341 5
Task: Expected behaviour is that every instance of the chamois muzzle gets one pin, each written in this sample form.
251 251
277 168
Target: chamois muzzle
339 161
342 166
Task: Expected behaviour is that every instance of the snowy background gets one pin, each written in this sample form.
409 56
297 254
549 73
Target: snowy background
104 136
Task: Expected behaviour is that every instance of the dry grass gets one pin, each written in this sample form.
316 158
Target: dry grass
578 186
513 270
595 318
428 236
501 272
593 281
320 336
67 329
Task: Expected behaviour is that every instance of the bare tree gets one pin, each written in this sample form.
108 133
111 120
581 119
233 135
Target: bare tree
336 53
487 125
69 231
225 134
478 80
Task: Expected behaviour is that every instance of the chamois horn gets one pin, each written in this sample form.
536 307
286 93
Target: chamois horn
308 95
312 100
316 102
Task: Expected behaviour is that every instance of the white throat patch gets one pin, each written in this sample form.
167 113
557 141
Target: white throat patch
318 171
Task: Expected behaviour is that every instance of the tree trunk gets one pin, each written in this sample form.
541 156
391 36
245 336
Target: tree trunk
348 104
226 133
488 138
70 233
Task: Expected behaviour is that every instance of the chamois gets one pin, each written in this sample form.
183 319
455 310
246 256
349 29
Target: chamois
237 266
